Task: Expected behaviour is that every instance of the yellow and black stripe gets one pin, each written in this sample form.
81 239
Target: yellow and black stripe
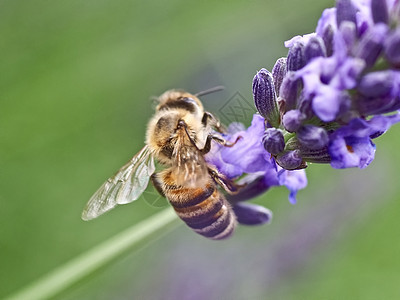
204 209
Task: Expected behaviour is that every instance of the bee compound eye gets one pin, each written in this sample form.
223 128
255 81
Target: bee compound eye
189 100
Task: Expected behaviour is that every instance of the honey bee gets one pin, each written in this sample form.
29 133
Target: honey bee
178 136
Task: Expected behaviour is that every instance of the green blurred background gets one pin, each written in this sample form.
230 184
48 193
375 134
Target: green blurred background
76 79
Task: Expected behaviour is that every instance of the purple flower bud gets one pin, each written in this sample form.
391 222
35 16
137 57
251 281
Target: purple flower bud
395 13
252 214
392 47
278 73
265 98
305 107
373 106
327 36
319 156
371 44
314 48
376 84
379 11
289 90
312 137
295 58
254 185
345 11
349 33
273 141
292 120
290 160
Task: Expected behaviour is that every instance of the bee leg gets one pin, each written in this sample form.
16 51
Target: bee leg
225 143
219 140
182 124
227 184
157 184
209 119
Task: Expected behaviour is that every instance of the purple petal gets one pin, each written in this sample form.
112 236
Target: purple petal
294 181
345 11
347 74
381 105
248 154
292 120
351 145
328 36
254 185
313 137
252 214
377 84
371 44
327 20
348 31
326 104
380 124
392 47
379 11
314 48
349 152
299 39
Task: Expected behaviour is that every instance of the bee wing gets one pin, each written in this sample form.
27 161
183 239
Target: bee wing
124 187
190 164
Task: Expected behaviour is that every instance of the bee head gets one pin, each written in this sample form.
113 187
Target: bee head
179 99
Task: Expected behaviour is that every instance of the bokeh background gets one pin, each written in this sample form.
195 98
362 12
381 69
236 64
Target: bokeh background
76 80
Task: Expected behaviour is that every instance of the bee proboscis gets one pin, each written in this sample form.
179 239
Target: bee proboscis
178 136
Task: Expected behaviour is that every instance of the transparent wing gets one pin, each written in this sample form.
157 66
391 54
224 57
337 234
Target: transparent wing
190 165
124 187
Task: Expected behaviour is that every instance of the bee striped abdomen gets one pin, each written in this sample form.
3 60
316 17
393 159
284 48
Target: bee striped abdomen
204 210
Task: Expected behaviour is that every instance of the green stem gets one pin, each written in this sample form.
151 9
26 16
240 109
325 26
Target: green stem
288 135
381 64
73 271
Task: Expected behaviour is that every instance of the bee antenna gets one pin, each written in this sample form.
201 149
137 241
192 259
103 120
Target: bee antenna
209 91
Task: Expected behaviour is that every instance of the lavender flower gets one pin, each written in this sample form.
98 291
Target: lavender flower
352 146
248 156
332 95
337 91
